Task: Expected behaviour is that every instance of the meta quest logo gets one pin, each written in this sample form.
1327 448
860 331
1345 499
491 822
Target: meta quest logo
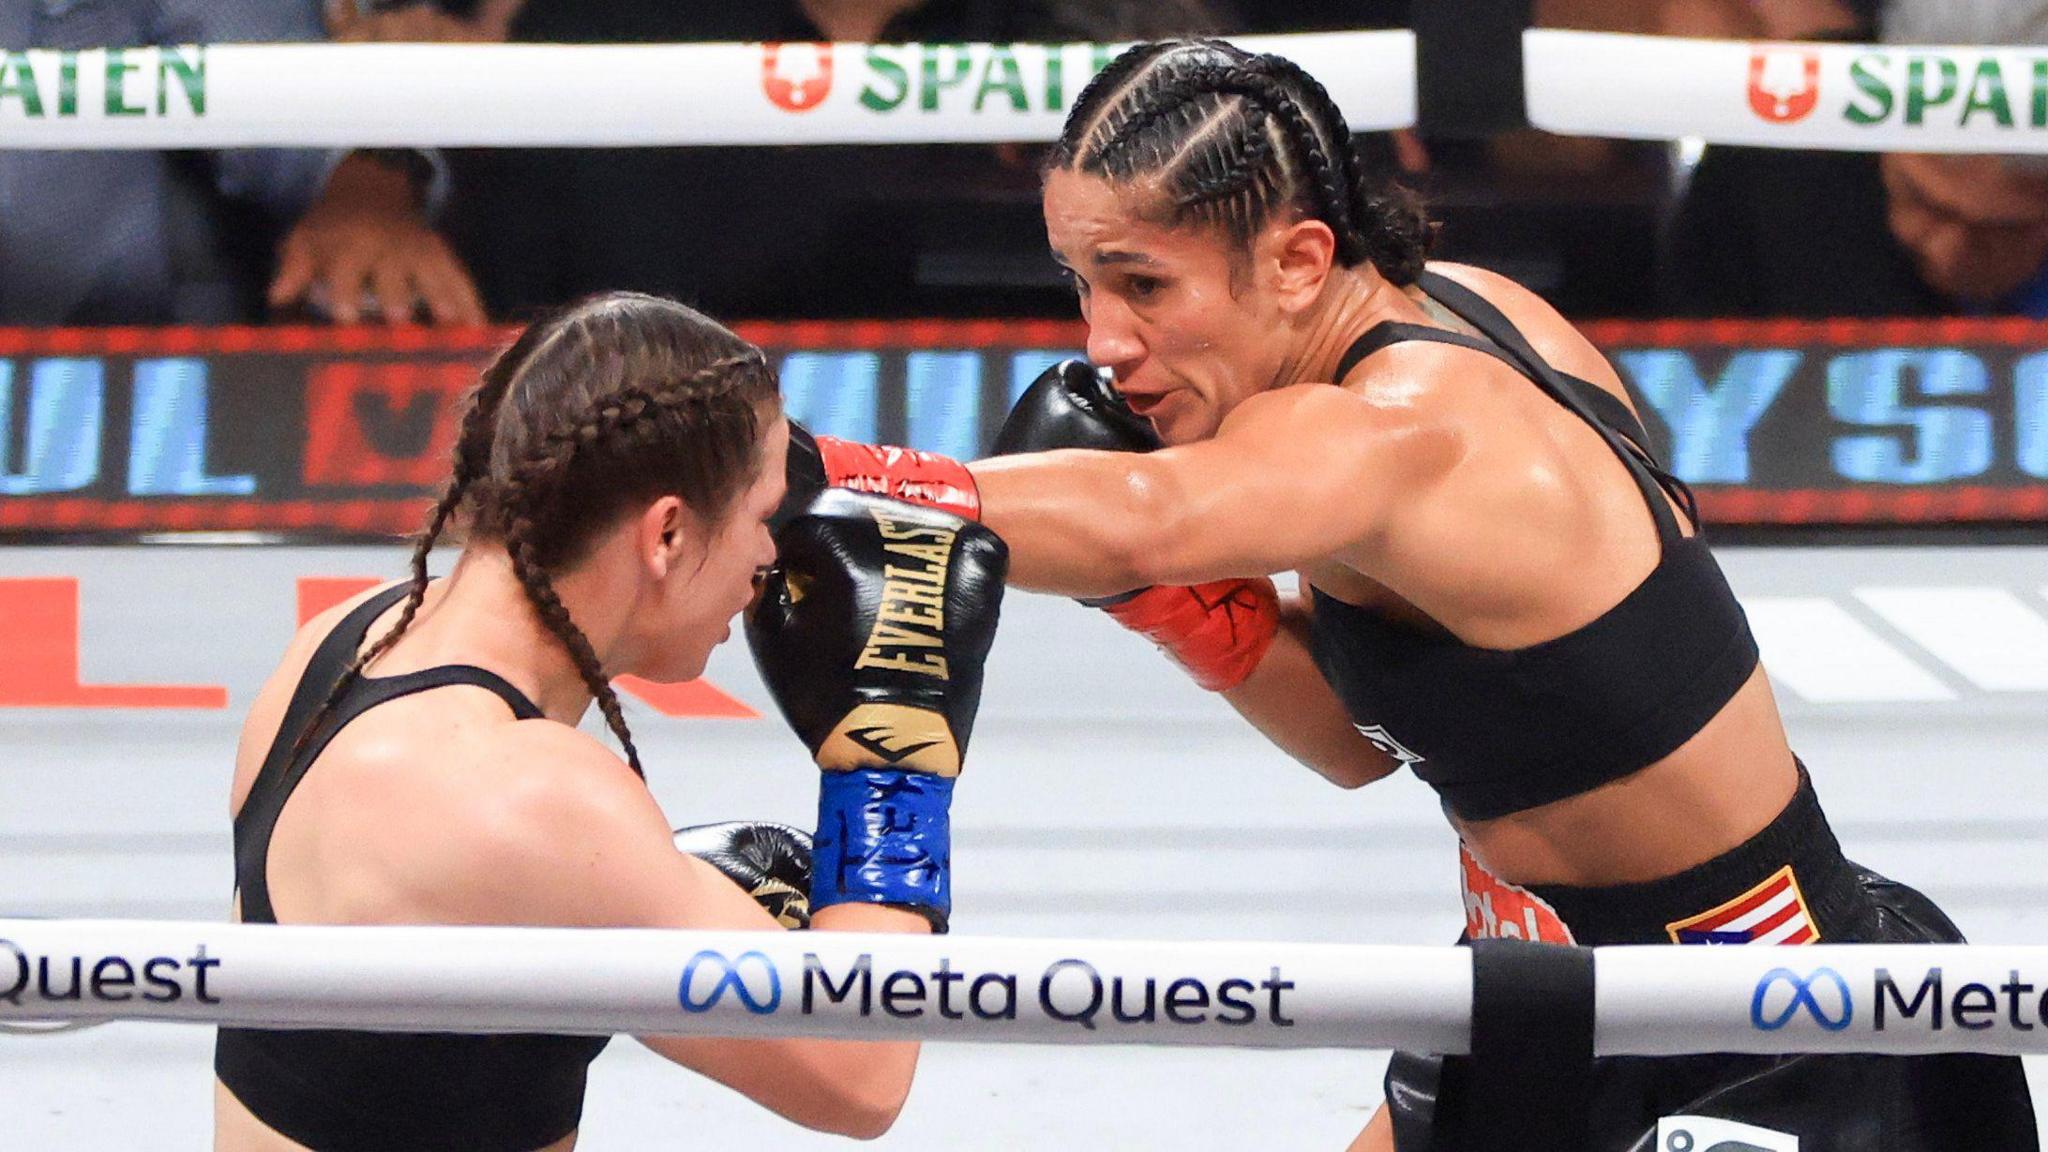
720 975
1787 993
1071 991
1784 997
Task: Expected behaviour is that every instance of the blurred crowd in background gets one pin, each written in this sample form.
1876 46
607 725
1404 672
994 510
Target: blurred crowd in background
1603 228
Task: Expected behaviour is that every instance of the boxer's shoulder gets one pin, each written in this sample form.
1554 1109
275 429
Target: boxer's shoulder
563 822
542 770
1554 337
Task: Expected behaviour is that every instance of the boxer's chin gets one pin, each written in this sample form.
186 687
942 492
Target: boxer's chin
1182 417
685 662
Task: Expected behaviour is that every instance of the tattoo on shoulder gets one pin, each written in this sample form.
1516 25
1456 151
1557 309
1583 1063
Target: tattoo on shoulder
1449 319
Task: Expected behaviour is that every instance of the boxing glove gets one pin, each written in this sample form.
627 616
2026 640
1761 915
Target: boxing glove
1071 405
820 462
770 862
1218 631
870 633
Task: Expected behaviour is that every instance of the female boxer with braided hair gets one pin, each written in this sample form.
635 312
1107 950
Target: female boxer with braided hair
616 471
1503 589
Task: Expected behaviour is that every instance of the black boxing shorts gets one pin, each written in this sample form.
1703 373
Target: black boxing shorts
1787 884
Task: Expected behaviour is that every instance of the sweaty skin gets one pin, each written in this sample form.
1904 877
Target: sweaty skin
442 808
1434 484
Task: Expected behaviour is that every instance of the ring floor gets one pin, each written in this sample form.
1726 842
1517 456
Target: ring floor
1104 797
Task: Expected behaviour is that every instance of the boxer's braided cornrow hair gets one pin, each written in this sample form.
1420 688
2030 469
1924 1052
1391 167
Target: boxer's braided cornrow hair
472 459
1229 139
652 417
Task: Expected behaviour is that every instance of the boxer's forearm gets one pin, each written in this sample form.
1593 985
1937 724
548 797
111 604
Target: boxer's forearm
1076 522
1287 699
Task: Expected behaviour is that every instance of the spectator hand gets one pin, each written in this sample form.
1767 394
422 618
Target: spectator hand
365 234
420 23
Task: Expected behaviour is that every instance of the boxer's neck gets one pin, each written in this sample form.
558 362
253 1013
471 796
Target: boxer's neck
1353 301
481 615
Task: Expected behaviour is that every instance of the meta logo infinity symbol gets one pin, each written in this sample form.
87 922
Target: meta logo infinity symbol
1802 997
693 995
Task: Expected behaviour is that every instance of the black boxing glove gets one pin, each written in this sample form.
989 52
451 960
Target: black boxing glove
1071 405
820 462
870 632
1218 631
770 862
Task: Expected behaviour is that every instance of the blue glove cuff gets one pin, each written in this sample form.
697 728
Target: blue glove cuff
884 837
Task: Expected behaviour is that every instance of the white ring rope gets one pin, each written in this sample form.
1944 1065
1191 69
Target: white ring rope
51 1028
1898 999
1854 97
1846 97
553 95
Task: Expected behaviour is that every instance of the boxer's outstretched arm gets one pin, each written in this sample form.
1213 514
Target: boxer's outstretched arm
1287 699
1294 477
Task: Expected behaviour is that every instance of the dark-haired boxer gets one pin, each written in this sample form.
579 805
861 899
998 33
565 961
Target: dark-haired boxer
415 758
1504 590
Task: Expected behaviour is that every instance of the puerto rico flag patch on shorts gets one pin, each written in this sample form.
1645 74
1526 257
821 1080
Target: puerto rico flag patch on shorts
1773 912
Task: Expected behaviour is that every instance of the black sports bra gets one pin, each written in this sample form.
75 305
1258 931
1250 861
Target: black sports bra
1502 731
366 1091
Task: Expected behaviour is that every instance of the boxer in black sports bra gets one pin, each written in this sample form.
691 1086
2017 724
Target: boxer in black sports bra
415 759
1502 588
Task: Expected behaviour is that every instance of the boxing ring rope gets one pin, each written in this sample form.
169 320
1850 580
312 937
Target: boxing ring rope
1843 97
554 95
1652 1001
1850 97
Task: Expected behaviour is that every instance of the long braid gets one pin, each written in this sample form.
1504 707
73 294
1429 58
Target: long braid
540 590
472 457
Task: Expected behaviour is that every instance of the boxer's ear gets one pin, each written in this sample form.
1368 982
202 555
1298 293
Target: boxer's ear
661 535
1298 256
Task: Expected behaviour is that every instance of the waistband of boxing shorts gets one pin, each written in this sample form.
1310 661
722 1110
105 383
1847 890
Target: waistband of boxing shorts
1788 884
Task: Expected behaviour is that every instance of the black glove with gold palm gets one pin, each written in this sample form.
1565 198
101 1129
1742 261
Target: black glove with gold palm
770 862
870 632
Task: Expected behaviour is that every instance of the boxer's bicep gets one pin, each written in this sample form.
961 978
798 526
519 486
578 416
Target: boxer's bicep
569 837
572 839
1294 478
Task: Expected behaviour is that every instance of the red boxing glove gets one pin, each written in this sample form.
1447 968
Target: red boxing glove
901 473
1218 631
820 462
